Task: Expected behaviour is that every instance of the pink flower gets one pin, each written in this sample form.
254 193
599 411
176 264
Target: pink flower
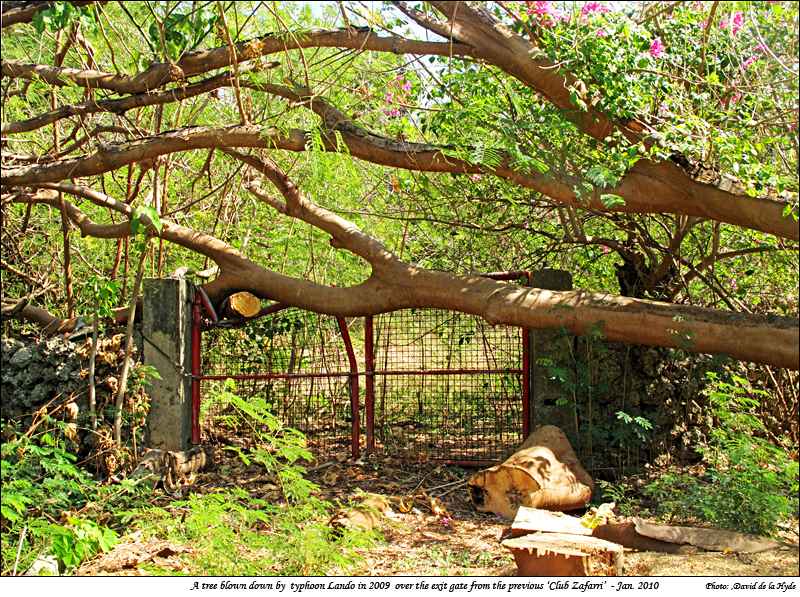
656 48
738 22
546 13
540 9
735 98
748 63
601 33
592 7
475 177
407 86
389 97
606 250
761 47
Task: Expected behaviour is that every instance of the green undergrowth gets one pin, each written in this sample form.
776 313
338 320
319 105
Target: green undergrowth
53 506
232 533
745 483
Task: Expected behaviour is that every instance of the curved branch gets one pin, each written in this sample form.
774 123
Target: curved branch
768 339
120 106
647 188
344 234
220 252
196 63
23 12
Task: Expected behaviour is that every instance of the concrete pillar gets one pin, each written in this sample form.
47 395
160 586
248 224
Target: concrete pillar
551 354
166 328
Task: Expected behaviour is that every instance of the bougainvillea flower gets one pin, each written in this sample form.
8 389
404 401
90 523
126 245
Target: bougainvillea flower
594 7
656 48
737 22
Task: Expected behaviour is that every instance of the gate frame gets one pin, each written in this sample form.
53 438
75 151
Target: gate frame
201 303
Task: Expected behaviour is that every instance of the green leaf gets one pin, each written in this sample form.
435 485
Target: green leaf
610 200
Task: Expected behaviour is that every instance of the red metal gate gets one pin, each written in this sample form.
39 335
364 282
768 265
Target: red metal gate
437 385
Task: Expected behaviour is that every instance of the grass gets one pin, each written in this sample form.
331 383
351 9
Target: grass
233 534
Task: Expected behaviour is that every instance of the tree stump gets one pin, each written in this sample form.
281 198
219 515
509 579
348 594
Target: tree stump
544 473
558 554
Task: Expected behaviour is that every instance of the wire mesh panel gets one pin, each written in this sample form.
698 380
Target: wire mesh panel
448 386
436 385
296 361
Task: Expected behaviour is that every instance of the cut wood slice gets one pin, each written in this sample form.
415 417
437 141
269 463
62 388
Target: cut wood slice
242 304
559 554
532 520
544 473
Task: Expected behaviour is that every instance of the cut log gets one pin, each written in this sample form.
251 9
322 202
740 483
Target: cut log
708 539
544 473
558 554
531 520
241 305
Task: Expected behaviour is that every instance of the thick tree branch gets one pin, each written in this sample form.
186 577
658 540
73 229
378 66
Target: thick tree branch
221 253
344 234
23 12
120 106
767 339
647 188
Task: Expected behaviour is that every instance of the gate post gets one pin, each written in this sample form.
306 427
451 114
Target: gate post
547 344
355 410
167 333
369 350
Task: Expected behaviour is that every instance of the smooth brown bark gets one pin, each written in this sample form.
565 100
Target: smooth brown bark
23 12
647 188
394 284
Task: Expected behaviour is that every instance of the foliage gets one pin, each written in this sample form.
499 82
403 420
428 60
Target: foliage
749 485
276 447
76 541
41 482
233 533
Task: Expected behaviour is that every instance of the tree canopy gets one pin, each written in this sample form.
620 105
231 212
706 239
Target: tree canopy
354 158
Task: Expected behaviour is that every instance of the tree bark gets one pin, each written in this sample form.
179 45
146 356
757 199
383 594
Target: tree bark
544 473
394 285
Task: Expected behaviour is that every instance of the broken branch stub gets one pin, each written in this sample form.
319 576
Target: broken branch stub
544 473
241 305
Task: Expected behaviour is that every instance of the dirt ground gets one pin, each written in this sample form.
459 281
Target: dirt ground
430 527
448 537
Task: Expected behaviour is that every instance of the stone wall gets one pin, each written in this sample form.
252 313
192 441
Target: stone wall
620 405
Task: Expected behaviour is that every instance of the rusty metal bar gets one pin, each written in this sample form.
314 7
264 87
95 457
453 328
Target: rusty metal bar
369 349
355 436
197 305
528 414
506 276
449 372
265 376
245 376
526 382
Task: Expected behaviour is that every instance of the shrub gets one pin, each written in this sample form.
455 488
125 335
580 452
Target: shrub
749 485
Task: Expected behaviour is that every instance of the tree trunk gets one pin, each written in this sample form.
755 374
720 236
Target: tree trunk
556 554
543 473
